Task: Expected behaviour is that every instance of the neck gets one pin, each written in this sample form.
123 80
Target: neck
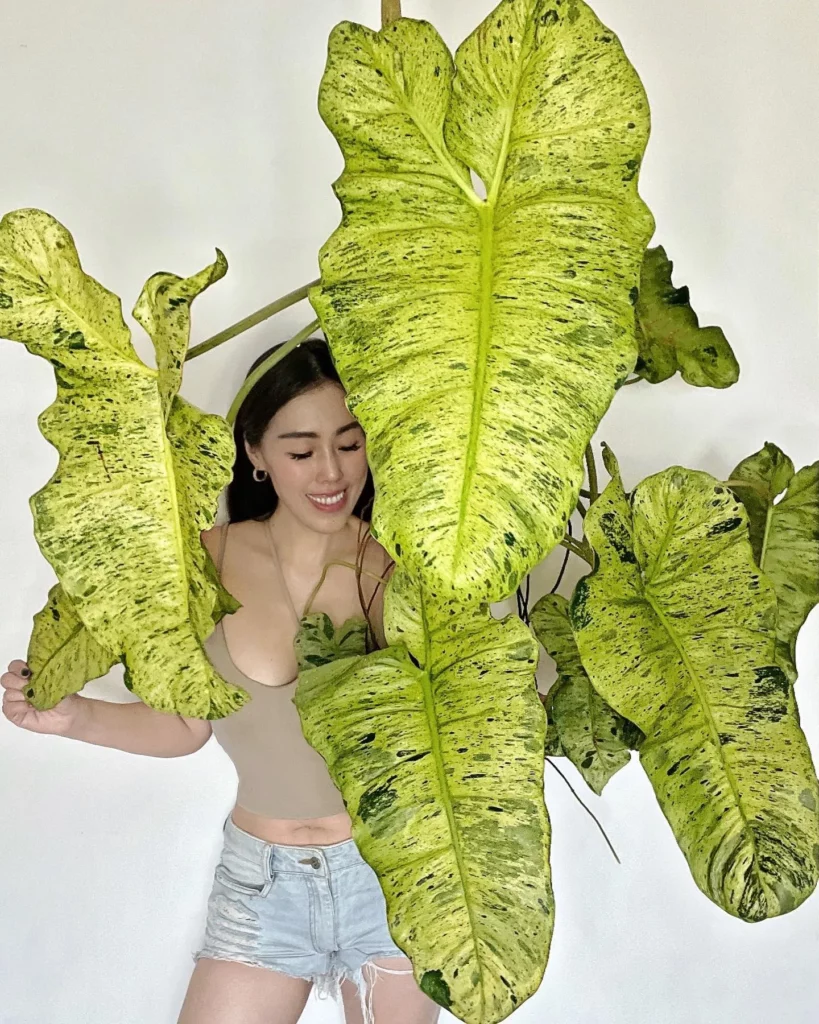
298 545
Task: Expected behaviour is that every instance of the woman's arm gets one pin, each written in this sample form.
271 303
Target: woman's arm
136 728
133 727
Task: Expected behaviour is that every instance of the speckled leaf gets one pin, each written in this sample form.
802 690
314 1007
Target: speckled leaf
481 340
62 654
441 769
552 747
164 310
785 538
318 642
591 733
120 519
676 628
669 335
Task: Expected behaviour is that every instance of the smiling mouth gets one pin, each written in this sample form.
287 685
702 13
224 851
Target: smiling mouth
329 502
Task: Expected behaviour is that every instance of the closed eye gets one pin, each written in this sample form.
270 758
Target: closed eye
344 448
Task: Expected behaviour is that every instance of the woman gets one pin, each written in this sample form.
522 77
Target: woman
293 903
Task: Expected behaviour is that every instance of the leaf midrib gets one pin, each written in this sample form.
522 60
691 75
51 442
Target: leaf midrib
425 679
713 732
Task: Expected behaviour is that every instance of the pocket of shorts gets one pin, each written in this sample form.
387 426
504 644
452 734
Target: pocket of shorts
245 887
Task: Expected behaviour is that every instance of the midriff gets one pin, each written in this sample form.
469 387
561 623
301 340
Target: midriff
296 832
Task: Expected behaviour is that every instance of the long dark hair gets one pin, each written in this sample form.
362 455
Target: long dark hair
308 366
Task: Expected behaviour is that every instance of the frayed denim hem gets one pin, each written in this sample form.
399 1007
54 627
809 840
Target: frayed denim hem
326 986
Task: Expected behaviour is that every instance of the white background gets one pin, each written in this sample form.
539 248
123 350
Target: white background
156 131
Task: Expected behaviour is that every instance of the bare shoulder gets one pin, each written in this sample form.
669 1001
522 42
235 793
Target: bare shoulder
245 534
211 538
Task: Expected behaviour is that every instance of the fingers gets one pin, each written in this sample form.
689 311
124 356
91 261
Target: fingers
14 698
17 676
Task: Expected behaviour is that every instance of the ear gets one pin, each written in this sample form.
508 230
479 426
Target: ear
249 452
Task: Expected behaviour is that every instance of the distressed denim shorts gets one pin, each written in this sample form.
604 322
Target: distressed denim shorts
314 912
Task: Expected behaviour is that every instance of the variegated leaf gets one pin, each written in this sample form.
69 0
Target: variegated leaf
785 538
318 642
441 767
120 519
669 334
62 655
481 339
591 734
676 628
164 310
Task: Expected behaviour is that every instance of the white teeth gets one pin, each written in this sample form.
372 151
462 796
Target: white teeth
330 500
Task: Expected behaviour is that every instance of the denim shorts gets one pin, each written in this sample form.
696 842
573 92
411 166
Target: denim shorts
314 912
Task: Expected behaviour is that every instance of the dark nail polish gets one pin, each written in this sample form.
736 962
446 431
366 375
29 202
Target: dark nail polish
25 672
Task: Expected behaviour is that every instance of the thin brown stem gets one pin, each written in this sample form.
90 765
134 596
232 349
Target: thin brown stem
631 380
390 11
250 321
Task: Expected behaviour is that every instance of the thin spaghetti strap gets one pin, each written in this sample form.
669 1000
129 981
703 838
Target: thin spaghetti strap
275 558
222 546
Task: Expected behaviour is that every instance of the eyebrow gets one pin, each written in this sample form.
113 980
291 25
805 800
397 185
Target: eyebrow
311 433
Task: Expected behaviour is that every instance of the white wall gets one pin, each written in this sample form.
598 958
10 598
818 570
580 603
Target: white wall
156 131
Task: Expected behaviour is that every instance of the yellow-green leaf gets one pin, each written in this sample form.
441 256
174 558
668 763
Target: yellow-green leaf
481 339
591 734
318 642
164 310
441 768
676 628
62 654
120 519
785 538
669 334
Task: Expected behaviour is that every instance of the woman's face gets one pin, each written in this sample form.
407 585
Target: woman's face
314 451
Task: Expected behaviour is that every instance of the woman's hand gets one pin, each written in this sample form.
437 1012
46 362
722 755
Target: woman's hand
57 720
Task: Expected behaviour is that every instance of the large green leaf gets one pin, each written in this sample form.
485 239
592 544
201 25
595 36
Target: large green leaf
482 340
120 519
669 334
784 537
590 733
676 628
62 654
441 767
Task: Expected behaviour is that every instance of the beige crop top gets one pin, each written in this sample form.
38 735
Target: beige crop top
280 775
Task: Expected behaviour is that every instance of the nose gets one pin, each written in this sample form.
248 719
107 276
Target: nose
329 468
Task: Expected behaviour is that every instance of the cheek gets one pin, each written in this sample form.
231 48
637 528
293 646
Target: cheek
290 475
361 467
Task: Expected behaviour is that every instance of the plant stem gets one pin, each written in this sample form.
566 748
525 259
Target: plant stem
591 467
390 11
250 321
280 352
581 508
631 380
349 565
577 549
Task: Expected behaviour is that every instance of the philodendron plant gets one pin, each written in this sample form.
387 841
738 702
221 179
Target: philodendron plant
487 293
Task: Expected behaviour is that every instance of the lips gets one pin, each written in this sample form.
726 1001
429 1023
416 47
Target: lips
329 502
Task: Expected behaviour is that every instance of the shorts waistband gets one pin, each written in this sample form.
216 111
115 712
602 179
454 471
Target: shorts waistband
284 857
